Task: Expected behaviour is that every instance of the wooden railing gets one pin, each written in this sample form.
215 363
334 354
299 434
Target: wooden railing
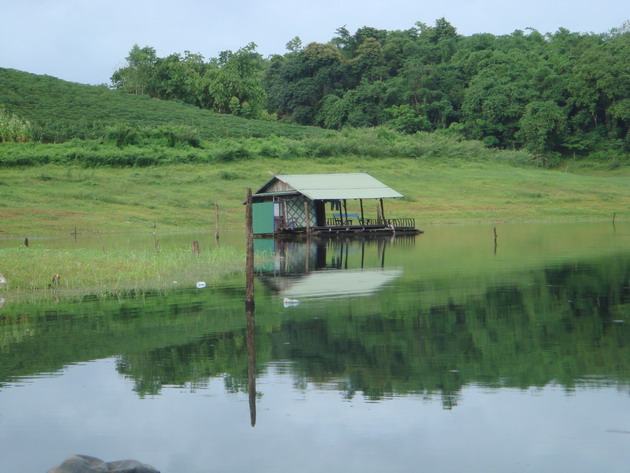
352 220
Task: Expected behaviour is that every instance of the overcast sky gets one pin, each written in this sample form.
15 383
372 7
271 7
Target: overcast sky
87 40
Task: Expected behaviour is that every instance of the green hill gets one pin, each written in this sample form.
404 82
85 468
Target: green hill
59 111
68 123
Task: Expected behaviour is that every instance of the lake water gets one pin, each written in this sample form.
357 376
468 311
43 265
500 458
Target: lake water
446 352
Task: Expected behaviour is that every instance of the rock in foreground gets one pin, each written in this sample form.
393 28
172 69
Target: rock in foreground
85 464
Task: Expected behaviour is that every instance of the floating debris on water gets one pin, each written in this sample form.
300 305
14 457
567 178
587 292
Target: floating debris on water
290 302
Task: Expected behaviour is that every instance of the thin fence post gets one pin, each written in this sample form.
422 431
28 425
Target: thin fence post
216 220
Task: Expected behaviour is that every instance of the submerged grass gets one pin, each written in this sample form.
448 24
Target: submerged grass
97 271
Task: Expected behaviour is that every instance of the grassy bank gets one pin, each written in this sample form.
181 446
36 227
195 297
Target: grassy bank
51 199
31 271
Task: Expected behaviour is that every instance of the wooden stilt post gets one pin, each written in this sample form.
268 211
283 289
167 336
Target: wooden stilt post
307 218
362 216
383 212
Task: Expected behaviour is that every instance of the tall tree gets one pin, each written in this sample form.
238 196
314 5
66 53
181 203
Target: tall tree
136 76
237 86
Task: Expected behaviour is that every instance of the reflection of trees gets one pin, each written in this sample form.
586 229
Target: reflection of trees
560 329
553 325
189 364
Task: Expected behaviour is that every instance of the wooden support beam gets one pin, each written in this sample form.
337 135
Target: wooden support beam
362 216
307 217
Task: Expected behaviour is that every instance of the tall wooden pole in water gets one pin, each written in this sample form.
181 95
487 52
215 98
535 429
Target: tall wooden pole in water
249 261
249 311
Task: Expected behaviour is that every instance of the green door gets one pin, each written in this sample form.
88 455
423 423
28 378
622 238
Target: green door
263 217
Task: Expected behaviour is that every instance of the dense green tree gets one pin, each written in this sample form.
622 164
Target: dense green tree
237 86
407 120
298 82
184 78
542 126
136 77
496 98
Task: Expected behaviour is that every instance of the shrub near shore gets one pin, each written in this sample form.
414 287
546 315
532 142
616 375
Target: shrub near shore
129 146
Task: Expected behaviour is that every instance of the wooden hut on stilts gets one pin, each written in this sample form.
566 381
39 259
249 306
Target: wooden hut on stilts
318 203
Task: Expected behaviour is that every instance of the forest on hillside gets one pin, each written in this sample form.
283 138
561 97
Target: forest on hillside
562 93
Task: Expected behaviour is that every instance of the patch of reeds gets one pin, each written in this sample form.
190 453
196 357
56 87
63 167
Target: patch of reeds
84 270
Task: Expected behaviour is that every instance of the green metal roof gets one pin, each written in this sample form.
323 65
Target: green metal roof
335 186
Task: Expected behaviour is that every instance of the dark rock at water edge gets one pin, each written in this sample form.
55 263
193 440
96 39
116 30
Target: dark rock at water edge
86 464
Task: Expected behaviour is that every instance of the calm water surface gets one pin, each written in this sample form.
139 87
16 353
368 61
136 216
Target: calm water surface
449 352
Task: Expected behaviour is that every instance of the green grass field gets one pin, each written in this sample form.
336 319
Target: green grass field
48 200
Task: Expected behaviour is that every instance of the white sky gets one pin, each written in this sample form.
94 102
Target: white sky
87 40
